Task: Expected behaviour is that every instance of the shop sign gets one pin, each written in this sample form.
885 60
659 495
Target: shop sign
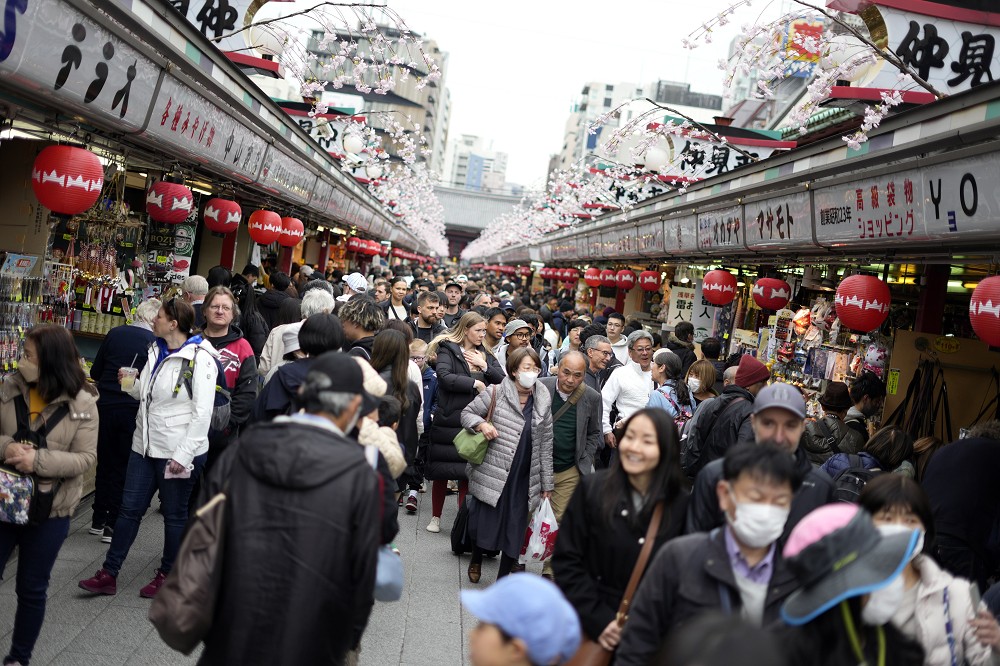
951 55
629 193
745 338
680 234
650 239
322 194
720 229
18 265
184 120
50 47
779 222
892 381
682 301
594 248
583 248
878 209
947 345
283 174
962 198
692 157
702 316
219 19
328 134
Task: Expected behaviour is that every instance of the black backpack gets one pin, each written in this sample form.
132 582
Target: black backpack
849 483
222 408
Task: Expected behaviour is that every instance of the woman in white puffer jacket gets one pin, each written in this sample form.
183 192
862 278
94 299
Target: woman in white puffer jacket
937 609
176 393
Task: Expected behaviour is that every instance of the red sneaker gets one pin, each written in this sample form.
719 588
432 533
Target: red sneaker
153 587
101 583
411 502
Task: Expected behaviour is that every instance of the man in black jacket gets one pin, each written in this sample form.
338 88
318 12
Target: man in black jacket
317 496
736 569
361 318
681 342
268 304
779 414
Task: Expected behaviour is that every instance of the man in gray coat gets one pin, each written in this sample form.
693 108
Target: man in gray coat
576 433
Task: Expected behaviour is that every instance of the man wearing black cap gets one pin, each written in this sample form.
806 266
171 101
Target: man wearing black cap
561 319
452 311
830 434
317 496
778 417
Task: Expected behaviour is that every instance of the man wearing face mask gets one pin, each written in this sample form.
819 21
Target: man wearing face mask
850 587
736 568
778 416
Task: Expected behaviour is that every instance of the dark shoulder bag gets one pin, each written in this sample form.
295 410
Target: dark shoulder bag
42 491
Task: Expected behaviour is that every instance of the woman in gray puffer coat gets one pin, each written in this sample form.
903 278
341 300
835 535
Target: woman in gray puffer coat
517 470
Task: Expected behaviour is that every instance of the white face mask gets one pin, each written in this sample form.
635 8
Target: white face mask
527 379
757 525
28 369
895 528
883 604
694 384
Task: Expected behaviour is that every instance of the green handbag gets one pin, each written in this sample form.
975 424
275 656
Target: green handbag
472 445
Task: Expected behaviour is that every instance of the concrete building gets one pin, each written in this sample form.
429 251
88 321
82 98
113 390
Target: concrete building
468 212
427 108
471 163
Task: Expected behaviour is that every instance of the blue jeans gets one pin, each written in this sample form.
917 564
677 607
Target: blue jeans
38 546
142 479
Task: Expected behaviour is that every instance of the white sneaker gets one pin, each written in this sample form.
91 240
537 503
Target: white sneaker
435 525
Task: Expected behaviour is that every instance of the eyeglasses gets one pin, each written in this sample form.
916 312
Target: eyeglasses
221 308
417 359
642 350
605 354
521 336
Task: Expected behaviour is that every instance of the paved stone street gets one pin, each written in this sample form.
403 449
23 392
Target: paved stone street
427 627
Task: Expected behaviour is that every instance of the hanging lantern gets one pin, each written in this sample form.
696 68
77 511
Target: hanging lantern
719 287
609 278
292 231
592 276
770 293
168 203
67 180
265 226
656 158
354 143
625 279
649 280
984 310
863 302
222 216
545 273
570 275
355 244
524 271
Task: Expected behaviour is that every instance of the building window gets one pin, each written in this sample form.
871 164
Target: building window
607 102
608 87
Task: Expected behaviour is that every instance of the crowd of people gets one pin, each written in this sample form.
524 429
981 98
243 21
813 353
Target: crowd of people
696 502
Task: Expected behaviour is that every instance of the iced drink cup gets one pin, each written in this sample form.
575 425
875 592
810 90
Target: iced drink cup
128 378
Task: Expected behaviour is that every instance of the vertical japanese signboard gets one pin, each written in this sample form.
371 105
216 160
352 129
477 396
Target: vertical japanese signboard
682 301
720 231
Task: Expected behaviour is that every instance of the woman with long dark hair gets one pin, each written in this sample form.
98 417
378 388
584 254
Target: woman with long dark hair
176 393
604 526
48 392
391 359
394 307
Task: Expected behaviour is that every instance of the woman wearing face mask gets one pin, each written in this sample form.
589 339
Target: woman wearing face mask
851 586
604 527
700 379
50 391
672 393
937 608
517 470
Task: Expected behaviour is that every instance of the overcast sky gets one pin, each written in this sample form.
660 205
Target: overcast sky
515 67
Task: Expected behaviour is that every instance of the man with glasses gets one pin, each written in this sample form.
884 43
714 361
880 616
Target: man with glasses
518 334
597 348
619 344
628 387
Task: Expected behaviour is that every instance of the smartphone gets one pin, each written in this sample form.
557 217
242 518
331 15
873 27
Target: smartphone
186 474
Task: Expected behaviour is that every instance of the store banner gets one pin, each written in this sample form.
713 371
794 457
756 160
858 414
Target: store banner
721 230
680 234
703 315
875 210
779 222
682 300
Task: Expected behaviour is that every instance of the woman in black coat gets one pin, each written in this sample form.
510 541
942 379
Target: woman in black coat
464 369
604 526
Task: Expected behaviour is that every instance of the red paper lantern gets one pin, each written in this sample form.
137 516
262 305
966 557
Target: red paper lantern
222 216
524 271
292 231
571 276
265 226
67 180
354 244
168 203
592 277
984 310
609 278
719 287
863 302
649 280
545 273
770 293
625 279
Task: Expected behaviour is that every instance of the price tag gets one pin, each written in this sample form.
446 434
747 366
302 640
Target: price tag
892 381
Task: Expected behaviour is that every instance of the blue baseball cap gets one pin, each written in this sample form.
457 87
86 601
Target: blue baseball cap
530 608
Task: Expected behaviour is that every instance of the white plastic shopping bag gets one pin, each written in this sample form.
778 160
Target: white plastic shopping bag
540 539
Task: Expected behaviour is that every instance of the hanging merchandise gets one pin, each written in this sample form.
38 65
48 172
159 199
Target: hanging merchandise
771 293
592 276
222 216
67 180
649 280
863 302
984 310
625 279
609 278
719 287
168 202
292 232
264 226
